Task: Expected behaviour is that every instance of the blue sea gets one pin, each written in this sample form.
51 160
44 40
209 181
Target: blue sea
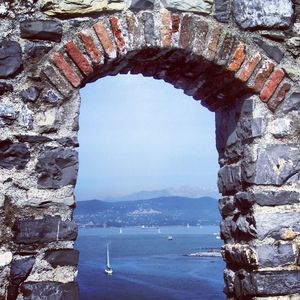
148 266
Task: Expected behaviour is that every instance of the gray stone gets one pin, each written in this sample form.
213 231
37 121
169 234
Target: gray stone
149 28
263 14
46 230
26 117
51 97
251 128
30 94
244 201
241 256
227 228
33 138
50 290
13 155
245 227
141 4
36 51
57 167
229 277
200 6
221 13
69 141
275 255
229 179
226 206
291 104
7 112
65 257
20 269
272 51
41 30
274 224
274 198
281 127
276 164
10 58
5 88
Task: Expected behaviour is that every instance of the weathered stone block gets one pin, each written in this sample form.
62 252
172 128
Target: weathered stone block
20 269
276 164
240 256
265 14
291 104
57 167
227 228
229 179
13 155
275 255
26 117
141 4
227 206
41 30
30 94
66 257
49 229
221 13
251 128
199 6
50 290
244 201
7 112
245 227
5 88
10 58
273 198
281 127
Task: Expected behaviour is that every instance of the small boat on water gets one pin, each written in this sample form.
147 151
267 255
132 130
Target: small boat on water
187 225
121 230
158 230
170 238
108 270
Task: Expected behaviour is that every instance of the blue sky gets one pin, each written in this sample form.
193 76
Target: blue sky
139 134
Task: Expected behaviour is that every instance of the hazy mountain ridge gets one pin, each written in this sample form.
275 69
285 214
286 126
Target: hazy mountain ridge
151 212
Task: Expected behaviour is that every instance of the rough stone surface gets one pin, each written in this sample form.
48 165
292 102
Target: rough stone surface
30 94
41 30
67 257
293 104
7 112
229 179
199 6
221 13
272 198
272 51
10 58
13 155
5 258
276 164
5 87
26 117
259 13
48 229
50 290
141 4
275 255
57 167
20 269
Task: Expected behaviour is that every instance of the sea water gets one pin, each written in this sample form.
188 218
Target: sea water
148 266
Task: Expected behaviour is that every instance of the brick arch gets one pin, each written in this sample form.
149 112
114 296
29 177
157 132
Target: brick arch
180 49
220 64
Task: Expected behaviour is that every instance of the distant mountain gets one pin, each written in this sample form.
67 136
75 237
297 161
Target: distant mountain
151 212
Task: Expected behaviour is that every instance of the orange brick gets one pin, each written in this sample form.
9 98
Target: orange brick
213 43
66 69
271 85
279 97
237 58
262 75
166 29
105 40
76 55
114 22
90 47
249 67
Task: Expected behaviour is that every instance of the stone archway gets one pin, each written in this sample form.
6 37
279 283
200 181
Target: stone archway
202 48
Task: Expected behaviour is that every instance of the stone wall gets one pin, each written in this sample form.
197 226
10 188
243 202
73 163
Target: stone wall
238 58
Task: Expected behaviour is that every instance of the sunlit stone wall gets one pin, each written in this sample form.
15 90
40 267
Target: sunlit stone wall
238 58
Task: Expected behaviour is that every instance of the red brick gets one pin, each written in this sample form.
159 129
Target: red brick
166 29
105 40
76 55
175 23
90 47
66 69
237 58
262 75
279 97
213 43
249 67
114 22
186 32
271 85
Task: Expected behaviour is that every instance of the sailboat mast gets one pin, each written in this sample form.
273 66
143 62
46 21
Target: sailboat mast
107 257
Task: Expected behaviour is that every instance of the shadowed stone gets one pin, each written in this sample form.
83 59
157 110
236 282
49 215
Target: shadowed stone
221 13
13 155
5 88
49 229
141 4
291 104
67 257
57 168
200 6
50 290
273 198
272 51
10 58
30 94
263 14
41 30
20 269
229 179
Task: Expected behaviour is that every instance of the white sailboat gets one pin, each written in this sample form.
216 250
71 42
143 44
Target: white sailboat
108 270
121 230
158 230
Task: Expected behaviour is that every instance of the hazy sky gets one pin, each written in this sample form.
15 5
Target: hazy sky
137 134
